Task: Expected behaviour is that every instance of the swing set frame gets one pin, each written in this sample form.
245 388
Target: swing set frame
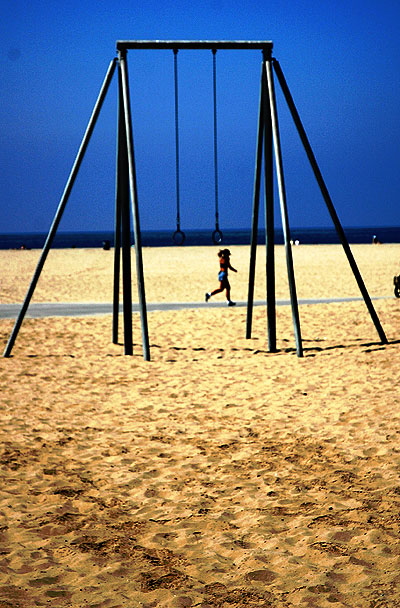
127 207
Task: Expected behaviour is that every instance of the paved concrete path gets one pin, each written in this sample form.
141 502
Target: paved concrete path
90 309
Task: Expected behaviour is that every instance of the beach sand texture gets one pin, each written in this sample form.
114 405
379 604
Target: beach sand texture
218 474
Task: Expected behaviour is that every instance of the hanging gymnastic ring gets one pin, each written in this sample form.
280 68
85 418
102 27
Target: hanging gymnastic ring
217 237
178 237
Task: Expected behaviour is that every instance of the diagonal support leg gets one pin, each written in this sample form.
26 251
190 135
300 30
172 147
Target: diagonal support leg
269 215
117 265
264 142
255 215
61 206
135 205
328 200
118 219
283 205
123 202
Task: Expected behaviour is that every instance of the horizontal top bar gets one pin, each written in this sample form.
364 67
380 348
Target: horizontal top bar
194 44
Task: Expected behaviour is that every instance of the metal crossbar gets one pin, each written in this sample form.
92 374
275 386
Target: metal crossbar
265 45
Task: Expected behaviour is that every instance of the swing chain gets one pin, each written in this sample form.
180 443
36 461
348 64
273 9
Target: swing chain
178 237
217 234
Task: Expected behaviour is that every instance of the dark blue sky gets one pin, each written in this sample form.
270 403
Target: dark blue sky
341 60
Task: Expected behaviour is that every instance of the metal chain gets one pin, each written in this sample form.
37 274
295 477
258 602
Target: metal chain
178 236
217 234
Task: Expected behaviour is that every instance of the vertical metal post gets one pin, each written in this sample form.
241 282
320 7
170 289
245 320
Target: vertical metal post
328 200
124 205
269 211
264 138
117 264
135 205
126 275
256 207
61 205
118 219
284 213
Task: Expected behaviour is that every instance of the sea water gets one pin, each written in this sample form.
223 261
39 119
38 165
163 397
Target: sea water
164 238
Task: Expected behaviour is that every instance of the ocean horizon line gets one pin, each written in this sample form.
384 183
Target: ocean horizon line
197 237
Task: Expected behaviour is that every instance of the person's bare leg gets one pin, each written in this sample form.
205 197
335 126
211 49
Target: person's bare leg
218 290
228 295
213 293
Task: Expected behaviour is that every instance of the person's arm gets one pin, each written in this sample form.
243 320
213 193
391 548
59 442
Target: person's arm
232 268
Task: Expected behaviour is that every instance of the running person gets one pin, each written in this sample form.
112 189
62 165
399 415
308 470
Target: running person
224 264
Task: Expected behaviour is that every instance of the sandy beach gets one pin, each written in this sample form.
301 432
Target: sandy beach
218 474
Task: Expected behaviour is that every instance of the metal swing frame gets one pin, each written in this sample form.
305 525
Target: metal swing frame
126 201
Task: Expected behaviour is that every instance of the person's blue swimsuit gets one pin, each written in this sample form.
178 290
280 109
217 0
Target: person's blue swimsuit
223 273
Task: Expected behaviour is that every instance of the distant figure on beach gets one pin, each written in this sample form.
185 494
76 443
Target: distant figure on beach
224 264
375 240
396 281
